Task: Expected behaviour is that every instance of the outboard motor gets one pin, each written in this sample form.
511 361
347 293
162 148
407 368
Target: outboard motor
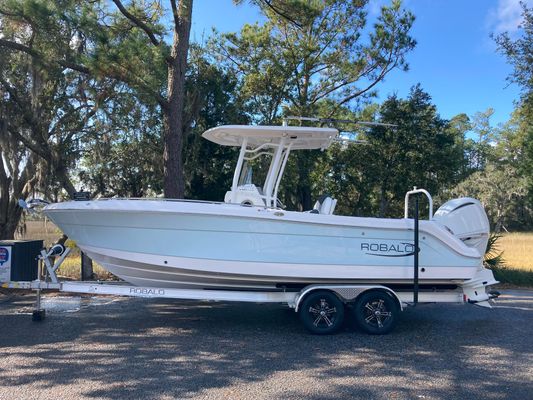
466 219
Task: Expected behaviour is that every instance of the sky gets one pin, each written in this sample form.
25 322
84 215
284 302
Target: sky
455 59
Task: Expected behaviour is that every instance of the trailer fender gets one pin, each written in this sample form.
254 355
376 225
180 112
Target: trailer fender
347 293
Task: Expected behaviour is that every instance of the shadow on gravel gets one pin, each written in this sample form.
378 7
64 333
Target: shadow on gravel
131 348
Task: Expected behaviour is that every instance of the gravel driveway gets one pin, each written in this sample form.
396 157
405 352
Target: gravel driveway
118 348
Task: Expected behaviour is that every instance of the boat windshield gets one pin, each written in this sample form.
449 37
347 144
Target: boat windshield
254 173
246 175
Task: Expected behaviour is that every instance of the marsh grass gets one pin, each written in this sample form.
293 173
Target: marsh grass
517 259
71 268
41 230
517 250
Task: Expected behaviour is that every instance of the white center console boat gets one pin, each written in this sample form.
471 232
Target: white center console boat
249 243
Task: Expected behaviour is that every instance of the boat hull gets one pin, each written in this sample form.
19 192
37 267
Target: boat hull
214 245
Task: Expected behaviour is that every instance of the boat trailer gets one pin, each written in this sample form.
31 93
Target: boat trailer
374 307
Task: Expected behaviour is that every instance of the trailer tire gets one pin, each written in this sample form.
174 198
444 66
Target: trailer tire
376 312
322 312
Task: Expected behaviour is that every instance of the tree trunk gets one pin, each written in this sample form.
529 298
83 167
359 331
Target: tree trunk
10 212
499 219
86 267
174 182
305 161
8 229
4 204
9 220
383 203
63 178
306 198
14 183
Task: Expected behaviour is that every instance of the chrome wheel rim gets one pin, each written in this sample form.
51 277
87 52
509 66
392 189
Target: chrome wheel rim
376 313
323 314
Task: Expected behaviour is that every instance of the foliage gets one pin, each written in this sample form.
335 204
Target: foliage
501 191
47 110
503 155
125 162
119 44
493 256
481 148
209 167
513 276
458 126
519 54
89 99
372 179
498 175
311 53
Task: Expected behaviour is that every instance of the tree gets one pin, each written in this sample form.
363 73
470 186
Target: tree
125 46
49 122
125 161
308 53
372 178
18 167
510 141
45 111
481 149
216 101
500 189
519 54
501 184
17 164
458 127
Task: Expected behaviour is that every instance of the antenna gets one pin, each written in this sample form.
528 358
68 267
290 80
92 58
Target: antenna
342 121
347 140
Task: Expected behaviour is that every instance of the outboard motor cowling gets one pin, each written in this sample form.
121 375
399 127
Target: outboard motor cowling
466 219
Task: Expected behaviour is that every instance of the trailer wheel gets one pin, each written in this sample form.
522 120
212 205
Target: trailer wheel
375 312
322 312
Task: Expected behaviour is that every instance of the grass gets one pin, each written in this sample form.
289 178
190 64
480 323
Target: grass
40 230
517 250
517 268
71 268
514 277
